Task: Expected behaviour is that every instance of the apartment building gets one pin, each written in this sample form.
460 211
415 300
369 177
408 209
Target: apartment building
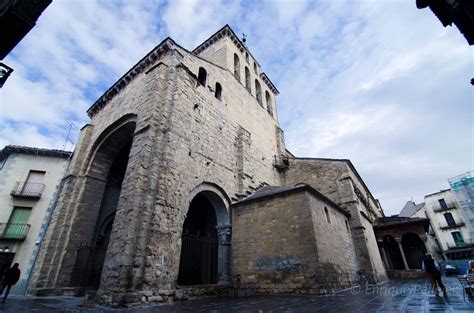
449 225
29 180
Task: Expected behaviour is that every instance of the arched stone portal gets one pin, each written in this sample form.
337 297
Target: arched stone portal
106 174
205 245
394 256
414 250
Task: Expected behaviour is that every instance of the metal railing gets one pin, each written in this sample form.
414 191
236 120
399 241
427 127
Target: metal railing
449 226
27 190
459 245
198 262
14 231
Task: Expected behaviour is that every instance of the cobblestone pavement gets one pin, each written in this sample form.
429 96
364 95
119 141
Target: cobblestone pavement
394 296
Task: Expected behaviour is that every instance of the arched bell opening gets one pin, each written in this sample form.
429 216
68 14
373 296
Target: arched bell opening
414 250
393 251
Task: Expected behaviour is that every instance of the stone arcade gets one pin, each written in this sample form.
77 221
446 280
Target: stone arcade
181 185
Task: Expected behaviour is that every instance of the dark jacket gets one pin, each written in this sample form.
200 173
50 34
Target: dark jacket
12 275
431 266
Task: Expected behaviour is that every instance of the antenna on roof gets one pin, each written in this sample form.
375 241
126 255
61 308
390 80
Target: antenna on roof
71 125
244 38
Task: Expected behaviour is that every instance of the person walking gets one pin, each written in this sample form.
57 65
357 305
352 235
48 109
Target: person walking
12 275
433 271
470 267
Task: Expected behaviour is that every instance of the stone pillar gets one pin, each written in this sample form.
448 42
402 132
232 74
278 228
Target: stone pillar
243 143
223 262
399 241
424 239
383 253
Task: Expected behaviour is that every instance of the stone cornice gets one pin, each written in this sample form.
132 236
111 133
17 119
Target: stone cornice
226 31
138 68
295 189
352 167
269 83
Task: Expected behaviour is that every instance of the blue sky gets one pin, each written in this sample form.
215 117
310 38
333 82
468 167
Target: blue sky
378 82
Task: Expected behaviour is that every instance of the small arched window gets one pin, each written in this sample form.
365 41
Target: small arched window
328 219
218 92
247 57
247 79
236 66
258 92
255 67
347 226
202 76
268 101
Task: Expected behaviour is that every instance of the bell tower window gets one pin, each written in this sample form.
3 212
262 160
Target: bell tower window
268 100
202 76
258 92
247 79
236 66
218 92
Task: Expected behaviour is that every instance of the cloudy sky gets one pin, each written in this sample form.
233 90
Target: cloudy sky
378 82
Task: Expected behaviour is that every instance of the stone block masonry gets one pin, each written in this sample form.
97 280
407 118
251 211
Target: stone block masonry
340 182
181 137
287 243
170 150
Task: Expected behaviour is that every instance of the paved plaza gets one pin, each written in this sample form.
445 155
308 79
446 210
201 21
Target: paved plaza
394 296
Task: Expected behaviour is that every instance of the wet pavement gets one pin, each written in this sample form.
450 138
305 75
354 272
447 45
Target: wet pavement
394 296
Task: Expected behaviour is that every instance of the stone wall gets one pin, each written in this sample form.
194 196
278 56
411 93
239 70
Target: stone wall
340 183
222 54
337 255
280 244
183 137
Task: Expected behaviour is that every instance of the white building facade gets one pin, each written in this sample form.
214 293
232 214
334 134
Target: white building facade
29 180
463 189
449 225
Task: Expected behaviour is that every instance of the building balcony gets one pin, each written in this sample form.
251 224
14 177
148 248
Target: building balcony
449 206
27 190
460 245
11 231
451 226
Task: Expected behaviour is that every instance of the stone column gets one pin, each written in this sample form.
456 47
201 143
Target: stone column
383 253
223 262
424 239
399 241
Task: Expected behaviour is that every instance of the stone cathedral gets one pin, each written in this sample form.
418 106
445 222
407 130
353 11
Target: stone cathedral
181 186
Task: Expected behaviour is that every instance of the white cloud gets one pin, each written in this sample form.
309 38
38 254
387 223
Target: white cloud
289 10
377 82
26 134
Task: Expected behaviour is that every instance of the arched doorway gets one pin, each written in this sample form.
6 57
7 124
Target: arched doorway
106 172
205 241
393 251
414 250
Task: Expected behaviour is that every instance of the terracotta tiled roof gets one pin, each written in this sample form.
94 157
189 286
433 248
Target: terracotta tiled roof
7 150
